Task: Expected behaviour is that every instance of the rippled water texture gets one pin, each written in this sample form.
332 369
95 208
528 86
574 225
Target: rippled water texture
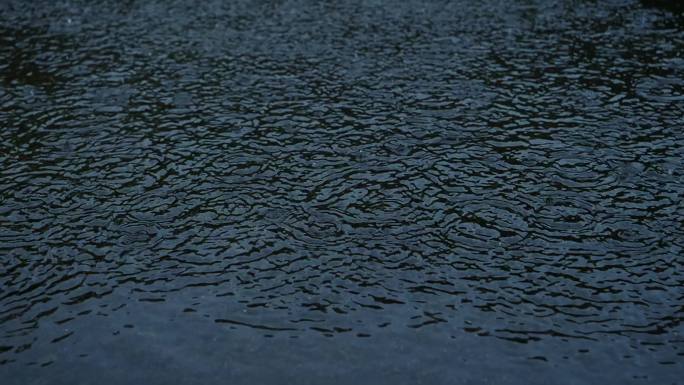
336 192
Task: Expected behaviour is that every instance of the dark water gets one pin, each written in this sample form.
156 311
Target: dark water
251 192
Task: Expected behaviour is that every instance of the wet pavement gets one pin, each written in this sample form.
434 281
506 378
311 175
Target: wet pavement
266 192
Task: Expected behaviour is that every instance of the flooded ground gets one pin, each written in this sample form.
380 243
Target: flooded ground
262 192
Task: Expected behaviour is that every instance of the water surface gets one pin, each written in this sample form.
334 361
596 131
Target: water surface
341 192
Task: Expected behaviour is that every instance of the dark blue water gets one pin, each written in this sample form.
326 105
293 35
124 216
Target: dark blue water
274 192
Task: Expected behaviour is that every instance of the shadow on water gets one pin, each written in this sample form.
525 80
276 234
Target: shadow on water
673 6
25 62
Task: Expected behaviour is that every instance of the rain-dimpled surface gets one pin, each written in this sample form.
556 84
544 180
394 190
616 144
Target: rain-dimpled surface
351 192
